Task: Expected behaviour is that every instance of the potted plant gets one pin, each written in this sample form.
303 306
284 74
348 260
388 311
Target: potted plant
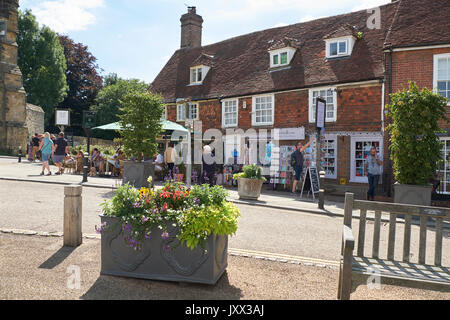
250 182
140 120
415 146
173 234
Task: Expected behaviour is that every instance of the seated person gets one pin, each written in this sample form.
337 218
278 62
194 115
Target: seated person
79 158
117 158
98 160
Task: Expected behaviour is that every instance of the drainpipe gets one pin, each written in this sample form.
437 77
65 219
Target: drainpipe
389 186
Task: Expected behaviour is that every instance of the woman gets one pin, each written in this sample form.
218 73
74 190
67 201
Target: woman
46 148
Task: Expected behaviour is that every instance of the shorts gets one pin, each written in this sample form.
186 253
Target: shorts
298 173
58 158
46 157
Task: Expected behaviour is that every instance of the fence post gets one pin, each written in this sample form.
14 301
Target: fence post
72 215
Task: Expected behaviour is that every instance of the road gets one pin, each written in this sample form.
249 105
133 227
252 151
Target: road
39 207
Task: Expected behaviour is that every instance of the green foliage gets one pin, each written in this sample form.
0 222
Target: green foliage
251 171
141 122
194 214
42 63
415 146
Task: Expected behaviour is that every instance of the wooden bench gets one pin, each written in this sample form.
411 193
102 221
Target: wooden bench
355 267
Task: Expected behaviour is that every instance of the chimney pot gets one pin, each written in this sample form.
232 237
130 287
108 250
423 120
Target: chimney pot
191 29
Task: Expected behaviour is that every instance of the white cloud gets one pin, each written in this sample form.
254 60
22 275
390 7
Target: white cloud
368 4
67 15
281 24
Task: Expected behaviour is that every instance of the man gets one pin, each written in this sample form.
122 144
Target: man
169 157
372 169
159 161
35 143
60 149
297 162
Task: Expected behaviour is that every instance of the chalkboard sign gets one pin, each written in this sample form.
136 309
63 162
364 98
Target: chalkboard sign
311 181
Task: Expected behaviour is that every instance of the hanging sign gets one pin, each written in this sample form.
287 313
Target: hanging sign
321 105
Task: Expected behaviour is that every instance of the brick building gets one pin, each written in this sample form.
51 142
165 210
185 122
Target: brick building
270 79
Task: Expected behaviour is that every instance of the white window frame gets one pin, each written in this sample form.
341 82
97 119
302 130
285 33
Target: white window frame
195 70
254 123
196 113
224 102
349 42
278 52
333 137
312 107
353 141
446 171
164 115
435 70
183 112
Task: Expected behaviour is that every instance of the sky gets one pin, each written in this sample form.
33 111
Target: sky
136 38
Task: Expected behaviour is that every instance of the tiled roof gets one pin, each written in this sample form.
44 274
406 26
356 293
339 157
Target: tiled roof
241 64
285 42
420 23
345 30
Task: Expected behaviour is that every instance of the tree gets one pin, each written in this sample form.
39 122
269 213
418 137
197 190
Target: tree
83 80
140 119
42 63
415 146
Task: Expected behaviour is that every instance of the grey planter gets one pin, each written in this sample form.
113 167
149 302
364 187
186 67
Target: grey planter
412 194
154 261
249 189
137 173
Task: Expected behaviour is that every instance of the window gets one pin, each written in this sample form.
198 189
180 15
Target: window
197 74
339 47
360 150
444 166
164 115
329 94
281 57
230 113
442 74
329 151
263 110
192 112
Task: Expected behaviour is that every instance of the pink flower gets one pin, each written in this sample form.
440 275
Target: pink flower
165 235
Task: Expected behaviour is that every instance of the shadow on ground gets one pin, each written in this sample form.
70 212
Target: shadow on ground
120 288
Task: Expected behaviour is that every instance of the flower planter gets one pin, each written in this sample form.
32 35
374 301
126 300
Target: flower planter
137 173
179 177
412 194
249 189
156 261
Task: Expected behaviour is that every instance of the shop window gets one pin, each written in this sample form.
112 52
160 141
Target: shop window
329 155
360 150
444 167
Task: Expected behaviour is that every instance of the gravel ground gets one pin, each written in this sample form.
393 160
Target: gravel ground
35 267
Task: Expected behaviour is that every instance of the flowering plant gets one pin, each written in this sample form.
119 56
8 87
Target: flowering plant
195 213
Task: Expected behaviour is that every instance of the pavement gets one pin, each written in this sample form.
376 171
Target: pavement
282 243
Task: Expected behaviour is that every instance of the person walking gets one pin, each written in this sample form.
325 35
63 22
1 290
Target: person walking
209 166
372 169
35 141
60 149
297 162
46 148
169 157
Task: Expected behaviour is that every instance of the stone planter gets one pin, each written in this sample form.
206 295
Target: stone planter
412 194
156 262
249 189
137 173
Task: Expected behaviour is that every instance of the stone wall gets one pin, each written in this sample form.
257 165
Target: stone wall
35 120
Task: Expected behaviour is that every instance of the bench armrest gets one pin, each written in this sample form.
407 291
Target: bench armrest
348 241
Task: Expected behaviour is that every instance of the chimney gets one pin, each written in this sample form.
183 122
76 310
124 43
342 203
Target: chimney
191 29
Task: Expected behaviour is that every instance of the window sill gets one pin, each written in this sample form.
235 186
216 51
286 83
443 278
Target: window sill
195 84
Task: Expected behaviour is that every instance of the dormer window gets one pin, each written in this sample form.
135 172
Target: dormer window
198 74
281 57
340 47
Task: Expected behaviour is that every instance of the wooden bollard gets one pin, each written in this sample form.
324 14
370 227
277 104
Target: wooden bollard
72 215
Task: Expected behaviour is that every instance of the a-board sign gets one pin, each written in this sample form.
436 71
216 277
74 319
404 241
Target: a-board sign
311 181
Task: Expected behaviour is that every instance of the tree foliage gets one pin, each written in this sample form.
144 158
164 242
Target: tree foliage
83 79
140 118
42 63
415 146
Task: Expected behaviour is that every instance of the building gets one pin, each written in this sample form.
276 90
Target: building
270 79
35 120
13 131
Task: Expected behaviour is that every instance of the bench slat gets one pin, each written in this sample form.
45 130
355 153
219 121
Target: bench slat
376 235
402 208
423 239
407 238
438 243
362 232
410 274
391 240
399 264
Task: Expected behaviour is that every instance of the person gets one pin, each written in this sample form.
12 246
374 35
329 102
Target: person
209 165
297 162
372 169
46 148
159 161
35 145
60 149
169 157
80 161
97 159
